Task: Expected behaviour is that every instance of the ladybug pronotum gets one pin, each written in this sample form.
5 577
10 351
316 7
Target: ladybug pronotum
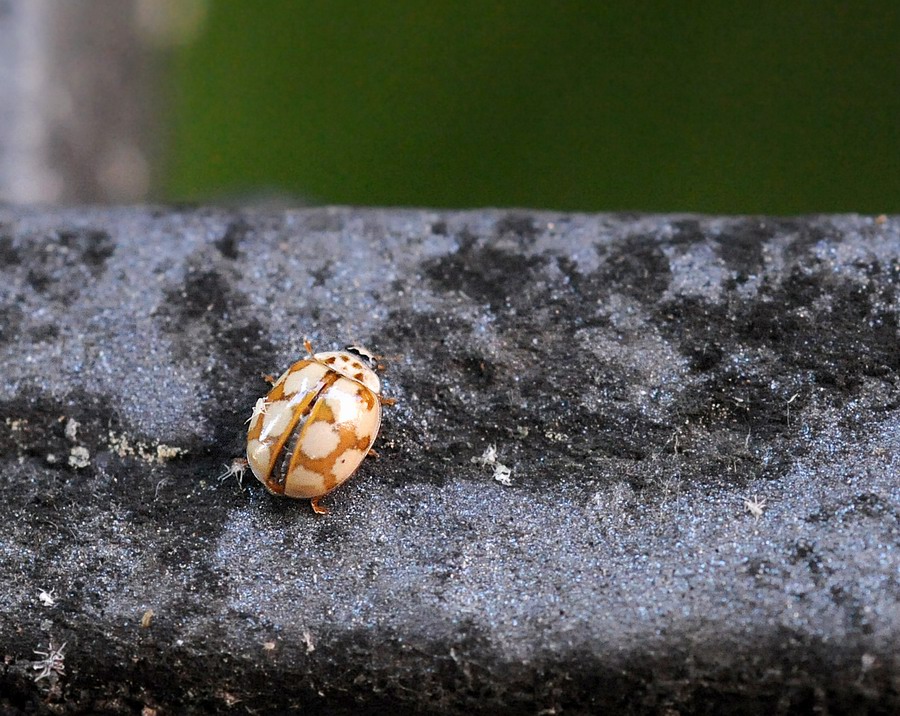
317 423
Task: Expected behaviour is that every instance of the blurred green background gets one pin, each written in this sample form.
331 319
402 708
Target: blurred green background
771 107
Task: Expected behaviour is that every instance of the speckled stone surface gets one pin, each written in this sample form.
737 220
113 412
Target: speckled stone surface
698 420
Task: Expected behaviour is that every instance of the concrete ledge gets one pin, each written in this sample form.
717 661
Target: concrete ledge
700 418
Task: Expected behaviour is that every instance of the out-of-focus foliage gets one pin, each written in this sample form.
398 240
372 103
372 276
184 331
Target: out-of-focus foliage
721 107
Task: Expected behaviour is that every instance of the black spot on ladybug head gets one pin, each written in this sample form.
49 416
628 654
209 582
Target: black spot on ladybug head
367 357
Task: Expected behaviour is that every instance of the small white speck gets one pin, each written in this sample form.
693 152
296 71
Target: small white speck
755 506
488 458
308 641
503 474
47 599
258 409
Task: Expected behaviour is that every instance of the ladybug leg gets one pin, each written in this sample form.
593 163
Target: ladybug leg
317 508
373 453
308 346
387 401
269 378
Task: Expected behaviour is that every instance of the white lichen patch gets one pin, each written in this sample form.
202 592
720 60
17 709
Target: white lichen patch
79 457
71 430
557 437
165 453
120 445
157 454
16 425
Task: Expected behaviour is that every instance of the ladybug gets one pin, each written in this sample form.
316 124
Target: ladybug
317 424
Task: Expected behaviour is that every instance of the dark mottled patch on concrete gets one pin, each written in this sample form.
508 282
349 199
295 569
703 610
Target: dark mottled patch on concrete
483 272
321 275
35 425
519 226
93 246
46 332
10 321
635 266
229 245
480 371
742 248
687 232
60 262
204 309
9 255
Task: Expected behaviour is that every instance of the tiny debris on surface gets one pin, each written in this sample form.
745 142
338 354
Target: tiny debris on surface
488 457
308 641
47 599
502 473
636 378
52 664
755 506
259 408
236 468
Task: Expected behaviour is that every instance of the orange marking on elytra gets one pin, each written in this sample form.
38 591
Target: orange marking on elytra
301 409
347 440
367 396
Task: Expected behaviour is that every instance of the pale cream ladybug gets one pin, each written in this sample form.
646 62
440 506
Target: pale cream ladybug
318 422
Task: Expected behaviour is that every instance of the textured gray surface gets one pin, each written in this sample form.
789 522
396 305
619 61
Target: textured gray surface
641 376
